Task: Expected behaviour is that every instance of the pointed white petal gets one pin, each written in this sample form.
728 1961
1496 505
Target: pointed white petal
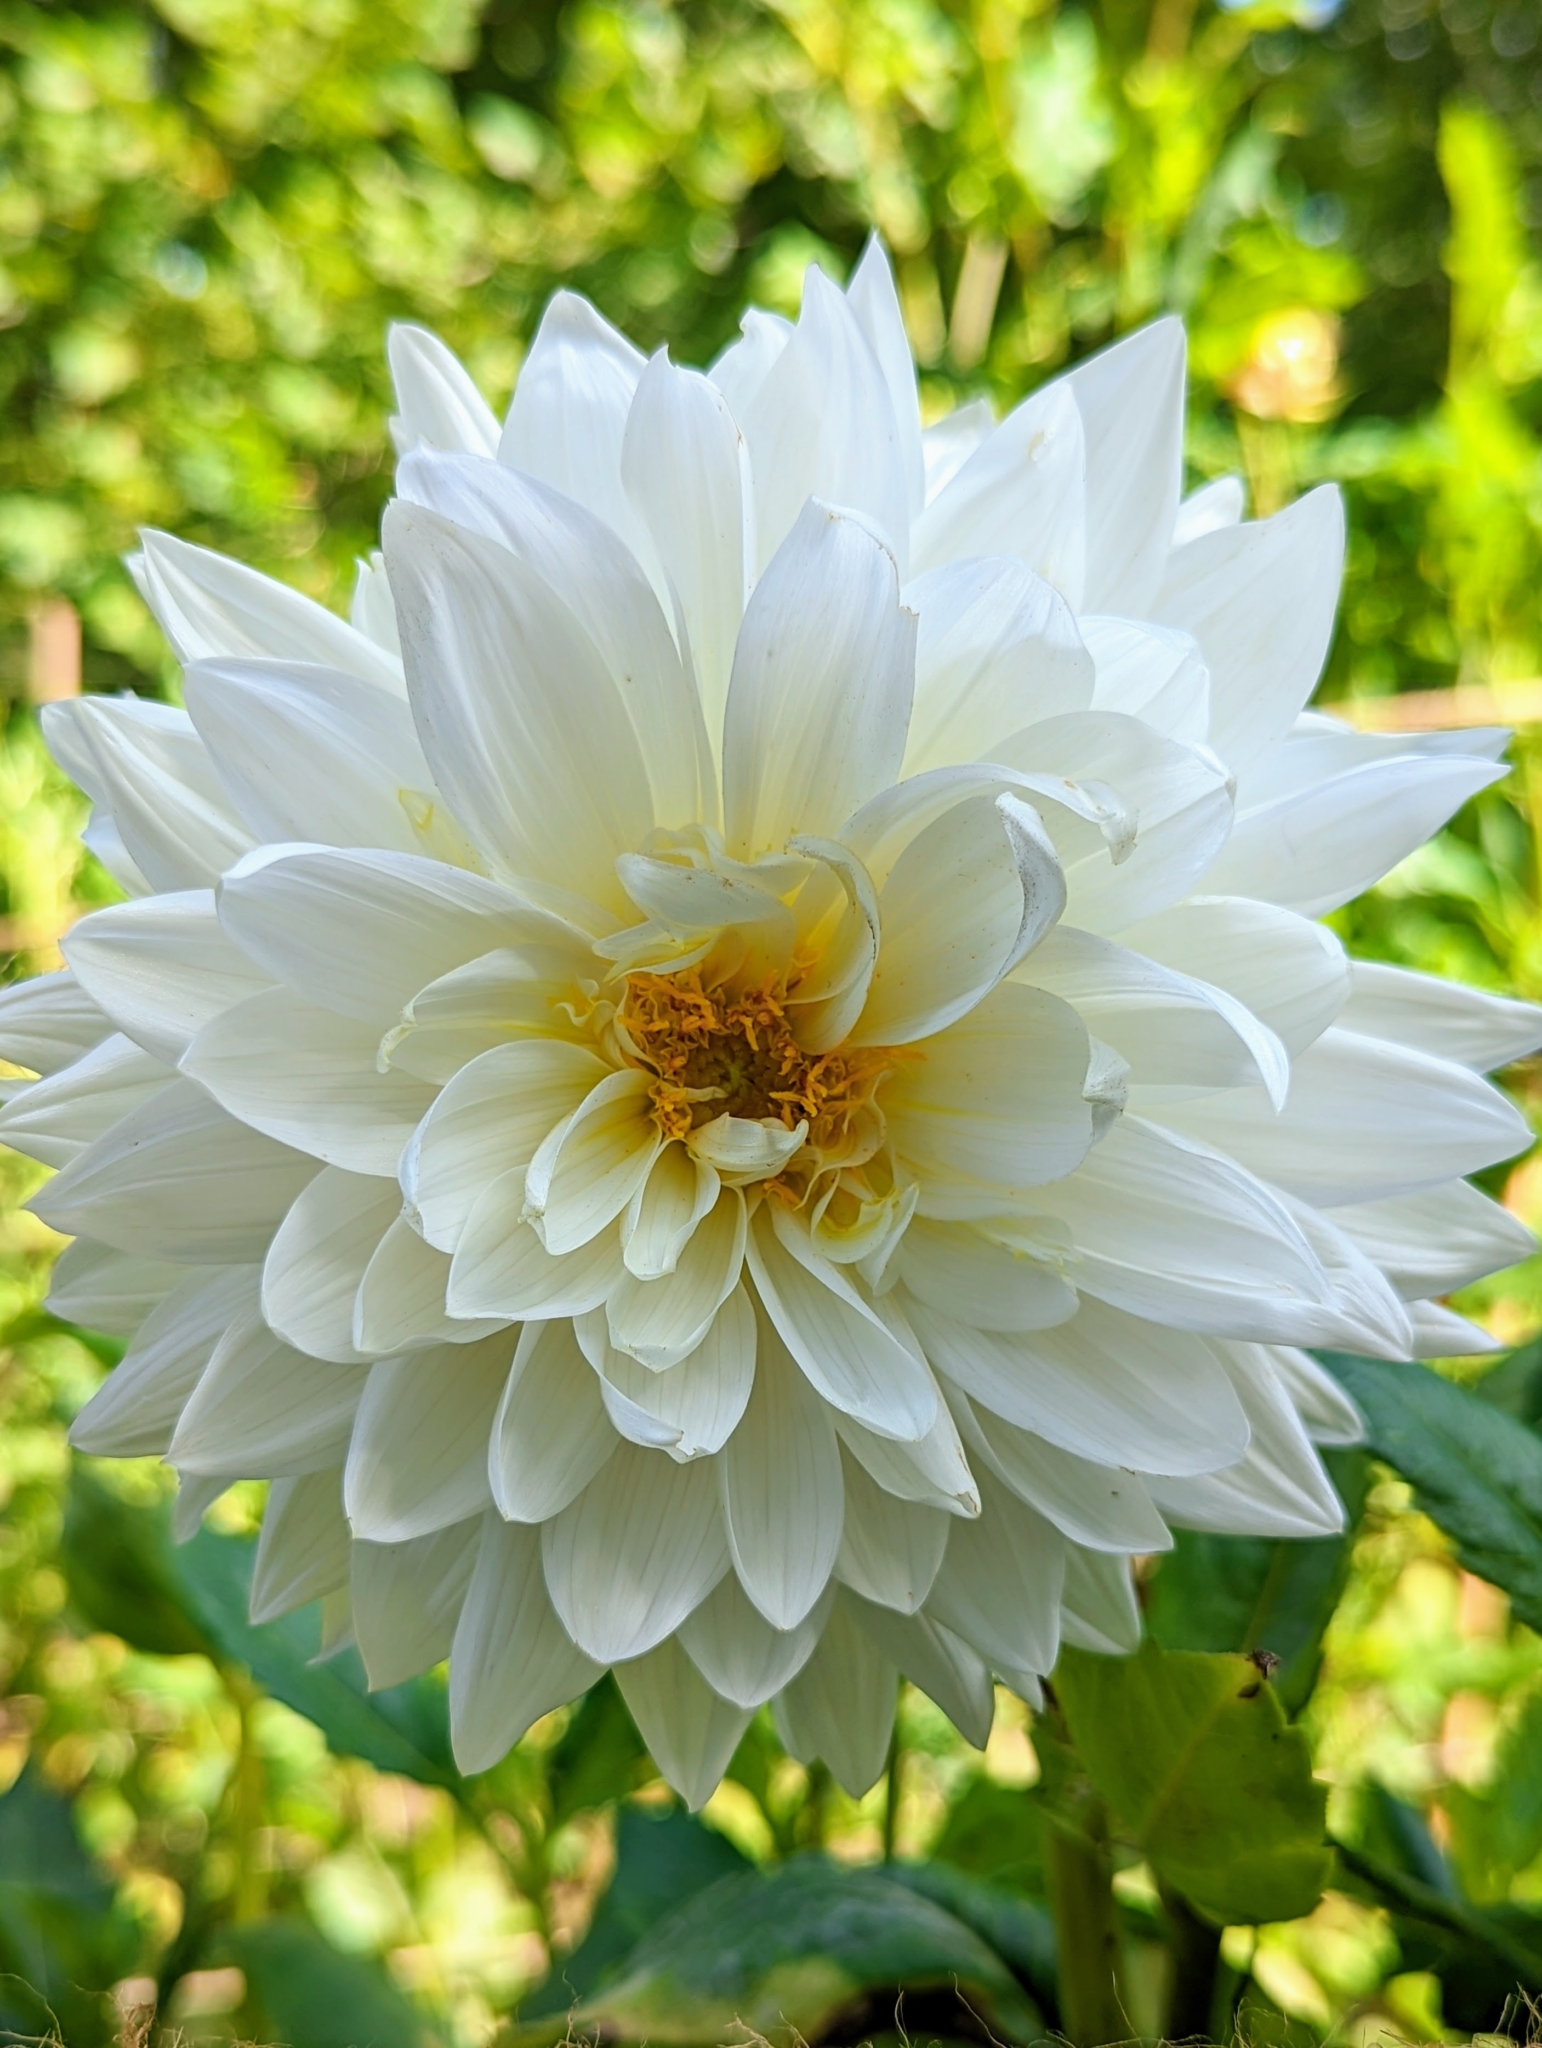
161 968
946 1668
1000 1579
1327 1414
103 1289
1291 973
53 1120
742 367
512 1660
265 1411
437 405
659 1322
890 1548
1131 402
418 1458
822 679
635 1553
1154 673
1099 1611
840 1706
305 1548
932 1471
948 443
1439 1332
134 1413
407 1598
1101 1506
874 302
502 1269
1214 505
550 1435
1463 1024
401 1298
47 1022
1438 1240
319 1256
959 1273
694 1407
691 1733
741 1656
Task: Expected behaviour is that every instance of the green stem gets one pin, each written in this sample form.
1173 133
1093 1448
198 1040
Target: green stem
1196 1952
892 1794
250 1898
1081 1898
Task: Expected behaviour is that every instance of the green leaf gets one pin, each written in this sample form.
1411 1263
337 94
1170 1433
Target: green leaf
1195 1757
1018 1929
1475 1470
780 1952
126 1576
599 1757
996 1833
61 1946
662 1859
313 1997
1249 1593
1516 1386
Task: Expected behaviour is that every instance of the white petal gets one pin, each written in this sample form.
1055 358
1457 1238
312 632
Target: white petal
146 765
782 1491
370 609
692 1409
738 1652
742 1149
1438 1332
1291 973
686 471
1217 504
659 1322
363 932
1021 492
890 1548
315 1263
550 1436
872 297
996 1099
822 680
309 753
305 1548
406 1600
932 1471
840 1706
1099 1609
549 783
996 649
999 1583
308 1078
103 1289
47 1022
1366 1119
1154 673
418 1459
635 1553
961 1274
401 1298
1102 1506
948 443
1106 1387
178 1179
844 1348
265 1411
134 1413
437 405
1438 1240
1131 402
602 1159
1371 1319
677 1194
946 1668
489 1121
1260 601
209 605
161 968
568 417
512 992
54 1119
743 366
512 1660
970 894
502 1269
1327 1414
821 424
1463 1024
585 565
691 1733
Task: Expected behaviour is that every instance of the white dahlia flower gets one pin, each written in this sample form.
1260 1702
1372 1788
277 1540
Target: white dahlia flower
737 1081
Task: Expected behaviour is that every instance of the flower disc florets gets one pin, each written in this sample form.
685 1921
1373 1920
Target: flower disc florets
739 1079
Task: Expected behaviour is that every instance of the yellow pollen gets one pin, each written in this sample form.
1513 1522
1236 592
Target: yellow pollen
715 1052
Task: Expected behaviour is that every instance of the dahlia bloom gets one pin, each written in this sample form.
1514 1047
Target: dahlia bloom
738 1080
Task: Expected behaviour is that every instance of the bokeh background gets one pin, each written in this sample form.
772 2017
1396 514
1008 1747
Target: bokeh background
209 211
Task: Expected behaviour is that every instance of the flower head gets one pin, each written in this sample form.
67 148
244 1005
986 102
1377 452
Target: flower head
737 1079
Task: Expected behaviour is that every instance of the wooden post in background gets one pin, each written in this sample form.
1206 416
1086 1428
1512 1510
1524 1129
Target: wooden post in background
53 651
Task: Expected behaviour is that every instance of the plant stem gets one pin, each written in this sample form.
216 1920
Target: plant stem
1196 1954
892 1794
1081 1898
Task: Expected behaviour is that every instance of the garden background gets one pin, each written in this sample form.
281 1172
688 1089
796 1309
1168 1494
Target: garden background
209 211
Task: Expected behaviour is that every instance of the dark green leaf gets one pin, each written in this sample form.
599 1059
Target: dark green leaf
312 1997
1516 1386
780 1952
994 1832
1475 1470
61 1946
600 1756
662 1859
1201 1769
1018 1929
1253 1593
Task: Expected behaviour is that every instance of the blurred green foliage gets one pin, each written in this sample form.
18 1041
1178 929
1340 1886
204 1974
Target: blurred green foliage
209 211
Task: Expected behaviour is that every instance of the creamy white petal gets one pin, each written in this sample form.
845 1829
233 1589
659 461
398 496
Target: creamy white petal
602 1159
1219 503
178 1178
550 1435
1154 673
960 1273
1260 600
134 1413
407 1598
512 1660
103 1289
47 1022
305 1549
933 1470
1291 973
401 1298
821 687
418 1457
639 1549
370 610
1021 492
679 1191
1131 402
437 405
844 1348
947 444
161 968
208 605
502 1269
874 302
741 1656
1107 1387
659 1322
263 1410
691 1733
840 1707
1438 1332
1371 1318
1327 1413
54 1119
692 1409
947 1669
890 1548
512 992
1103 1506
319 1256
1467 1025
821 424
741 1149
1437 1240
782 1491
743 366
996 648
1100 1610
999 1583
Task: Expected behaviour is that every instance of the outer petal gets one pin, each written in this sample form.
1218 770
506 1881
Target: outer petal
264 1411
161 968
1438 1240
1131 402
1441 1017
741 1656
103 1289
691 1733
47 1022
319 1256
1291 973
999 1586
304 1550
550 1436
53 1120
417 1460
134 1413
437 405
406 1600
875 304
840 1707
890 1548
